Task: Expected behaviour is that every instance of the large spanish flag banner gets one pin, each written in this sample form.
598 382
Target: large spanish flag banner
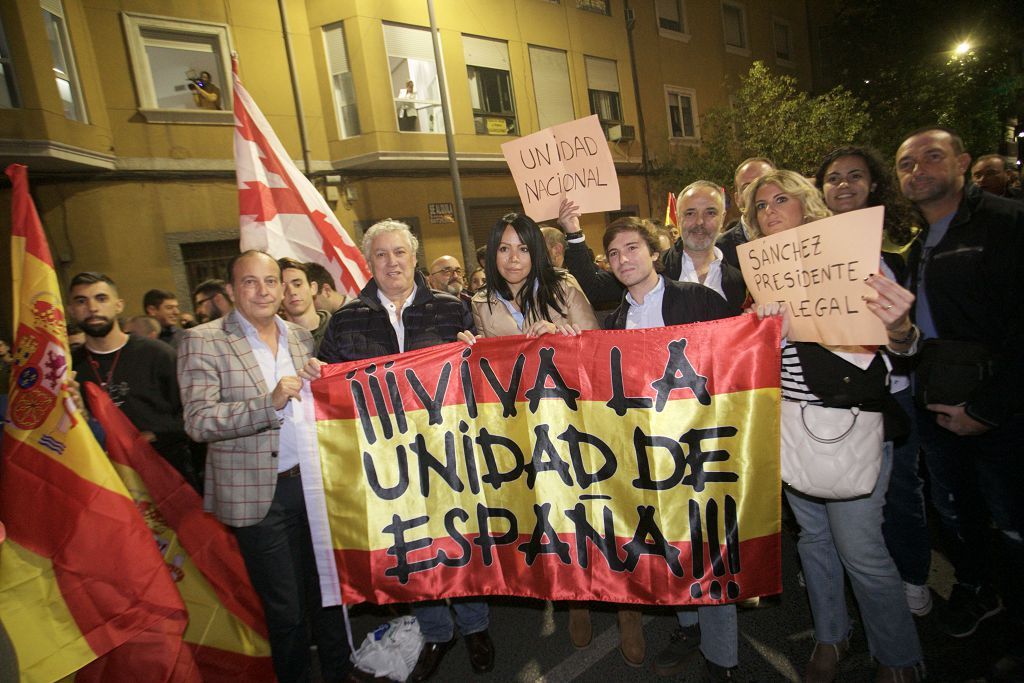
80 575
637 466
226 631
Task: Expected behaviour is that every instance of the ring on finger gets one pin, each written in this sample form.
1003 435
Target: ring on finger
887 307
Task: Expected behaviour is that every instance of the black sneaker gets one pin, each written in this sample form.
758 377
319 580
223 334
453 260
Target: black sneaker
713 673
682 645
968 607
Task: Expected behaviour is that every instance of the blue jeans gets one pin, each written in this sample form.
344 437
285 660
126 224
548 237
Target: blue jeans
906 527
847 534
974 478
436 619
719 634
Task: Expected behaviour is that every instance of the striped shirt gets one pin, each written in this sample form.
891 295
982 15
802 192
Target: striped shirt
792 378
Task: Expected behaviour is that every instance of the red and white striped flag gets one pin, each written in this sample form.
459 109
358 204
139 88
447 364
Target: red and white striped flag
279 210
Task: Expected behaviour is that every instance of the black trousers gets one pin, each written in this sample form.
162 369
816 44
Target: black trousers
278 553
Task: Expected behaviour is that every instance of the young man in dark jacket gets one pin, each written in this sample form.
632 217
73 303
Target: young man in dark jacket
653 300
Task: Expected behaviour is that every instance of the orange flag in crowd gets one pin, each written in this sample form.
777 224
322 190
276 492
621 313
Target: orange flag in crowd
80 575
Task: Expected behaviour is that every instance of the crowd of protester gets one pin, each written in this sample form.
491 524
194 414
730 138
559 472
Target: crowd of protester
945 386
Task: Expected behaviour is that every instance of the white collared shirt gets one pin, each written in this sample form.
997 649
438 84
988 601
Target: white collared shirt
394 314
273 369
713 280
647 314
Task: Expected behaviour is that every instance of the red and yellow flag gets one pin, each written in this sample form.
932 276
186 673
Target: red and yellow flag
226 628
80 575
637 466
670 210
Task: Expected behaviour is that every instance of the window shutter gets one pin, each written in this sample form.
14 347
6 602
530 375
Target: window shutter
551 88
408 43
337 57
491 54
602 74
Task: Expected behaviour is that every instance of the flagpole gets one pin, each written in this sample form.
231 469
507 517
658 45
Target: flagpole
299 112
468 249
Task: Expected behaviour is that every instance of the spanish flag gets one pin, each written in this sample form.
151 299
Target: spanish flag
632 466
80 576
670 210
226 628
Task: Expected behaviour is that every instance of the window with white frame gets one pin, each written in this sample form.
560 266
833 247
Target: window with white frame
341 81
682 112
8 91
490 86
782 32
64 71
734 23
552 90
672 16
180 67
603 90
414 86
598 6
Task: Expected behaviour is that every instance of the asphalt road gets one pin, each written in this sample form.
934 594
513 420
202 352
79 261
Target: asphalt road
532 642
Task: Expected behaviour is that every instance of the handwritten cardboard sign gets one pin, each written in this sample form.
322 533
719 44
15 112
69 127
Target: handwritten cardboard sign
568 160
818 271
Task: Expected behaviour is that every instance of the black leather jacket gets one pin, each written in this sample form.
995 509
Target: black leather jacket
973 281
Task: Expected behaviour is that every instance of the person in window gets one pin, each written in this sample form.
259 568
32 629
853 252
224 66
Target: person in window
407 117
204 93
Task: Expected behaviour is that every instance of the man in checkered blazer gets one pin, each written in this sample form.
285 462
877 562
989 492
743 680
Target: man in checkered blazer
239 389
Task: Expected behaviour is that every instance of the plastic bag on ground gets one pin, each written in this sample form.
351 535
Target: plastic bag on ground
390 650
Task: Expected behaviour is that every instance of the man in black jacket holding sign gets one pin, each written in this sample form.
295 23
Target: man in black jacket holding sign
966 277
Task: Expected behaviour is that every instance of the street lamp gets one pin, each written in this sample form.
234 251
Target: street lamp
962 48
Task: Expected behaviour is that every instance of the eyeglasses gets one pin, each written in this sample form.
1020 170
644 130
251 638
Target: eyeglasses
449 271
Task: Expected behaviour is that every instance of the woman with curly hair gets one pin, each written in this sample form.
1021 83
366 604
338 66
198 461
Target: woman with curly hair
854 178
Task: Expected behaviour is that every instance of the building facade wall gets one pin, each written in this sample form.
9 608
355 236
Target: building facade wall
122 191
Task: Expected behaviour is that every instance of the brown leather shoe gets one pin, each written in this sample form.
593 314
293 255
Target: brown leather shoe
429 660
581 632
824 664
631 637
481 651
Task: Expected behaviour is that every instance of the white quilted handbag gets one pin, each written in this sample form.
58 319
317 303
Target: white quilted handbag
833 453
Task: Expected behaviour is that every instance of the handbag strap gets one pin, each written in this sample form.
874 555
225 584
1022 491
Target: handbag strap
854 411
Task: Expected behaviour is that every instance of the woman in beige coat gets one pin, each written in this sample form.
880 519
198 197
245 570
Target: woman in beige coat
524 293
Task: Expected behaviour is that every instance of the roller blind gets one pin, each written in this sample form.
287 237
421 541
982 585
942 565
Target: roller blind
492 54
337 57
408 43
53 7
602 74
551 88
669 9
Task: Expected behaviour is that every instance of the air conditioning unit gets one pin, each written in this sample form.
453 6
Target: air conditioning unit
622 133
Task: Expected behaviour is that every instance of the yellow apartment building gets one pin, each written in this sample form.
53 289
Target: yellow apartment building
133 174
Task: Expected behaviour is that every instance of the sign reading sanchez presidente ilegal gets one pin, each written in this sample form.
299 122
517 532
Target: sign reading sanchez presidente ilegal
633 466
